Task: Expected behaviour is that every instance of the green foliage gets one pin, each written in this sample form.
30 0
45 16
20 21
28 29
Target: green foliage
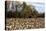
41 15
9 14
34 13
26 12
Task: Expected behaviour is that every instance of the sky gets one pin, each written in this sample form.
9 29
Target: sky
39 5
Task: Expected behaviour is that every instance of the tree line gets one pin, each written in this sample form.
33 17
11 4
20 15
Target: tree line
24 11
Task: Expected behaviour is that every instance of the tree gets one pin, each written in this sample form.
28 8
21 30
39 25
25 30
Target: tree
41 15
34 13
26 11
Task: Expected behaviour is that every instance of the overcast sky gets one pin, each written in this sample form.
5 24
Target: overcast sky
39 4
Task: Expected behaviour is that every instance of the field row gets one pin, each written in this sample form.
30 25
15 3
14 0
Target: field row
27 23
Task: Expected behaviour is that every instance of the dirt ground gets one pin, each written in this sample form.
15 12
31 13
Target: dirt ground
27 23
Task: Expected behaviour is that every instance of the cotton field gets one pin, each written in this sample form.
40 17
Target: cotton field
24 23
